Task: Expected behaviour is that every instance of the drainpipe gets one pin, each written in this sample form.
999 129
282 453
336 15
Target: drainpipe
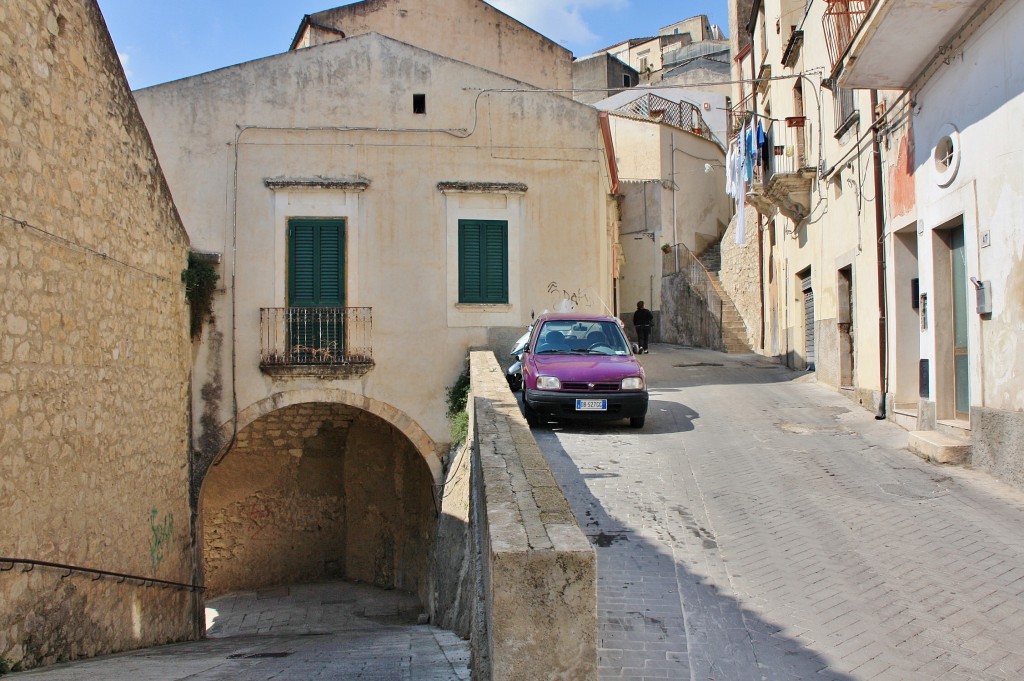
883 324
760 271
675 228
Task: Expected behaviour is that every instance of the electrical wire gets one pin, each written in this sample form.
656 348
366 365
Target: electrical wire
68 243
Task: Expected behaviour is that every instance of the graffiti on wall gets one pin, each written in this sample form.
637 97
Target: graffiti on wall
567 299
161 534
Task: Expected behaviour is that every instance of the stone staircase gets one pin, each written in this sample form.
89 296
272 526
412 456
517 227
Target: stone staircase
734 331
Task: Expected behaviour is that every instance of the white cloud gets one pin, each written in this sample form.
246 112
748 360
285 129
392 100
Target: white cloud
123 56
561 20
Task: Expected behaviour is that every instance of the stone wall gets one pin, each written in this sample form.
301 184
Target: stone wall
94 350
537 572
996 435
740 275
316 491
453 570
685 318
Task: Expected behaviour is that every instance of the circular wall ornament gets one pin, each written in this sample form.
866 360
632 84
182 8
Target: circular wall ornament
946 155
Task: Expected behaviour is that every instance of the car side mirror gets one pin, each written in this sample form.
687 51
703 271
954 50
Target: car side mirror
636 348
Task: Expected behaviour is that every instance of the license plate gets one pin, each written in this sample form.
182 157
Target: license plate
591 405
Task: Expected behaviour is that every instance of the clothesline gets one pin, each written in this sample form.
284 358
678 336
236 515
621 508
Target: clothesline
745 151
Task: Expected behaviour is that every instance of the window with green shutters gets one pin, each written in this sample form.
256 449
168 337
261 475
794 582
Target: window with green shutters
483 261
316 289
316 263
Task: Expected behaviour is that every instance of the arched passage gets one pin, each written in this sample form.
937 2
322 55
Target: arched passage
424 444
312 490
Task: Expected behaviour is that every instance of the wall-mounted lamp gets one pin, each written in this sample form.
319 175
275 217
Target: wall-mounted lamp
709 166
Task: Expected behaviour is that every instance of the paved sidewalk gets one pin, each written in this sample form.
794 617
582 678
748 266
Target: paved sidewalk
333 630
762 527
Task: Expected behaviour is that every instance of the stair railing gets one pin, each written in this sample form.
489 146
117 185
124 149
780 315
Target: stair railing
707 319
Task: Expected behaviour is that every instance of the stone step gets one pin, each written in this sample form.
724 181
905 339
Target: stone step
939 448
905 418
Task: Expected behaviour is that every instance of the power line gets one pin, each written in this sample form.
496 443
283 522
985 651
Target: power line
68 243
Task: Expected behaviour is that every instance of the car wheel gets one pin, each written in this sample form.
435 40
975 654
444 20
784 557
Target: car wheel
637 421
532 419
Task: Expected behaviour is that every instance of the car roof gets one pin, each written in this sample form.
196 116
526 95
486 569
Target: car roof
575 317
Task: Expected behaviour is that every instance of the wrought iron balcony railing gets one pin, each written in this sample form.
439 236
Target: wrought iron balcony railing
682 115
315 336
787 149
741 112
841 21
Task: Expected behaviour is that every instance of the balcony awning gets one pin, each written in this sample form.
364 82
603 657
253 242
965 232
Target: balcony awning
898 39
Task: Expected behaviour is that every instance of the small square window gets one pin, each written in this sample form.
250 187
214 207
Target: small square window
419 104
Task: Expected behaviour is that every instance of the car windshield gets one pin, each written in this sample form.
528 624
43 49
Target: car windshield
570 337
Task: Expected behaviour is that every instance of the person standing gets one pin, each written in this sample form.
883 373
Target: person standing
642 321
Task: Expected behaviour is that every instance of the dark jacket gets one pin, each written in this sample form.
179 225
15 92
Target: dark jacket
643 317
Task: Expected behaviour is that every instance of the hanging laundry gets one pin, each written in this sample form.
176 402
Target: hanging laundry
741 214
750 134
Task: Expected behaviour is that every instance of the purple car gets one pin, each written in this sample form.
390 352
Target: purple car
582 367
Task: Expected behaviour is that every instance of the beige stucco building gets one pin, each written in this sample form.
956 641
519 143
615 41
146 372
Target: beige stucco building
469 31
95 354
810 208
955 236
662 144
888 230
380 209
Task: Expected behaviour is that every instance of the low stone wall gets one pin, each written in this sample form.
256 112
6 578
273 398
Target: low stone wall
995 437
536 572
685 318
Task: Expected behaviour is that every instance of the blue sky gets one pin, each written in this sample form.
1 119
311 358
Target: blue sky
160 41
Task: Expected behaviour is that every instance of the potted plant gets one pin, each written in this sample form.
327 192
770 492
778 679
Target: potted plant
665 248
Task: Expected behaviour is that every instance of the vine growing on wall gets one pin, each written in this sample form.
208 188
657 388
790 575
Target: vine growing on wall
200 280
458 417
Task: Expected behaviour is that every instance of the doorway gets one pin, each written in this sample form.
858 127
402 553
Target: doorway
906 315
808 300
952 346
845 319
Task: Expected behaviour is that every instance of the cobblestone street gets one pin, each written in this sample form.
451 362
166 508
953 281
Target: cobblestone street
763 527
758 528
332 630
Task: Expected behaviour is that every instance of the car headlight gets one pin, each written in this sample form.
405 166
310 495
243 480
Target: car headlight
633 383
548 383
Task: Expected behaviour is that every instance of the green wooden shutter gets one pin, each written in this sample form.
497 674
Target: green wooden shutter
301 265
470 267
483 261
331 291
495 257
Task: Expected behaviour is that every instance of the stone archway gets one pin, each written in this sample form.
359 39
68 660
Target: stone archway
313 488
424 444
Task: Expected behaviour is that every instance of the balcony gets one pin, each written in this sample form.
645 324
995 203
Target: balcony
330 342
886 44
681 115
741 112
786 175
841 21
